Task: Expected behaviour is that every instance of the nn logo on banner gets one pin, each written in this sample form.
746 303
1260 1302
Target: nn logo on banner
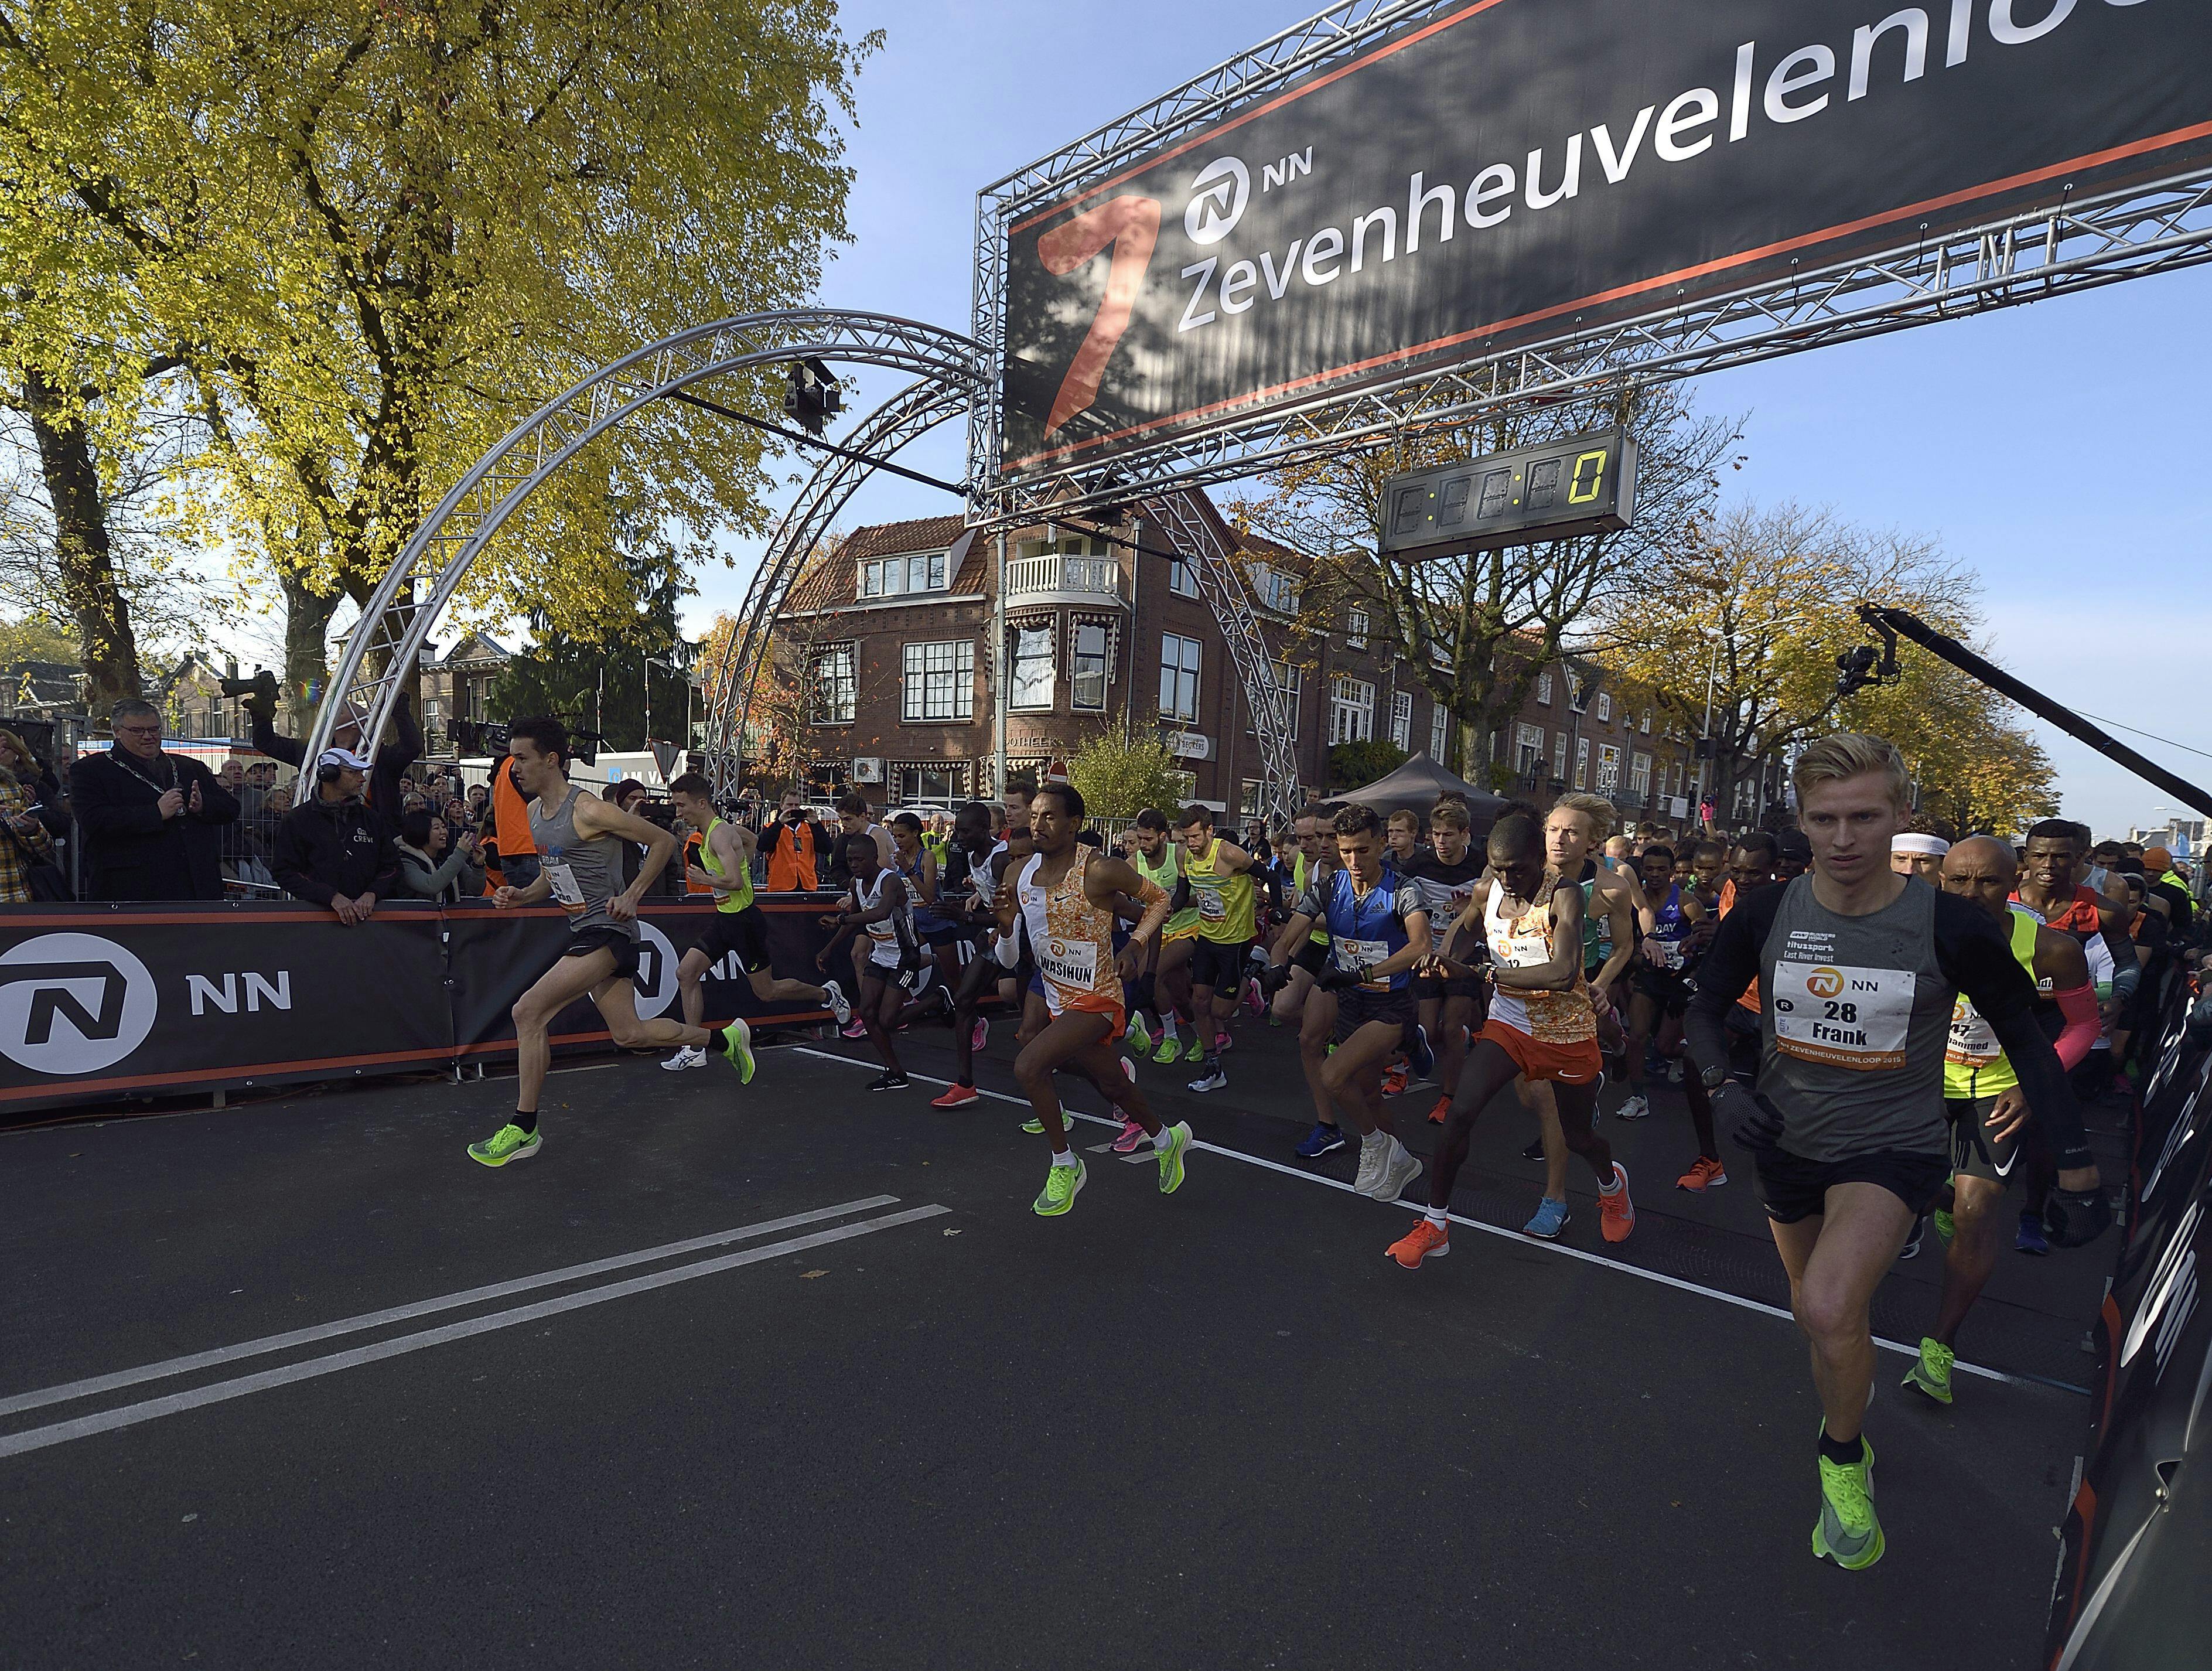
73 1004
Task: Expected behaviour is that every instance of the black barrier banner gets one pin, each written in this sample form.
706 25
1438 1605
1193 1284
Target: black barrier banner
497 955
97 1001
1510 169
2130 1589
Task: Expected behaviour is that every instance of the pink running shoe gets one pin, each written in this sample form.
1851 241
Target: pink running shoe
1131 1138
854 1029
981 1035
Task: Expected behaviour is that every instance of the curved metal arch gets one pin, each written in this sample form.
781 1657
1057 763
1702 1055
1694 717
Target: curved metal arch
908 416
394 622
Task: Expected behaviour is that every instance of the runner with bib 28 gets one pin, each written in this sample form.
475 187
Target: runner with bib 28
1860 969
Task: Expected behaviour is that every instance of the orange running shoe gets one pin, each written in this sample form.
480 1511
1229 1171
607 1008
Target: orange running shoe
1394 1081
1707 1174
956 1096
1442 1112
1424 1241
1616 1213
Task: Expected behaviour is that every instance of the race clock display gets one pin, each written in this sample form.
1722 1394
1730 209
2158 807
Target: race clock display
1558 490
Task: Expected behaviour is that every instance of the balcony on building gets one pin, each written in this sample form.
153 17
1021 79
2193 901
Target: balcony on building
1076 570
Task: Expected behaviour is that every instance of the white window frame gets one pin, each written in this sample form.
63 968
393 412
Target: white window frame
1645 722
1047 631
1527 747
1543 687
1356 628
1608 769
1582 763
1604 706
1351 710
1439 732
844 682
1182 665
1277 589
1640 776
937 681
1291 680
907 574
1401 719
1182 579
1559 757
1104 672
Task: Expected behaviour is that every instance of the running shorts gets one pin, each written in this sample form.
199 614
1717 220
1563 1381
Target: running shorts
1220 965
1664 987
1313 958
1428 986
1793 1187
1182 926
586 941
1974 1152
1576 1064
744 933
1355 1008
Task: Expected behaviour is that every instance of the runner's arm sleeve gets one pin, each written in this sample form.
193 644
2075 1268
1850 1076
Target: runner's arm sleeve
1976 958
2083 1026
1725 974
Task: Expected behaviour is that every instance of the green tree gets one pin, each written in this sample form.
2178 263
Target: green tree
1119 780
600 682
1355 765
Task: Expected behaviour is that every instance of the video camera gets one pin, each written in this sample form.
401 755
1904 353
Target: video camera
262 685
479 737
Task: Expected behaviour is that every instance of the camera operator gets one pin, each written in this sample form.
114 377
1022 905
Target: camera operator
437 862
334 848
151 820
796 849
259 699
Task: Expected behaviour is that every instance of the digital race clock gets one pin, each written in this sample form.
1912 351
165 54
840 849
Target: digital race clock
1559 489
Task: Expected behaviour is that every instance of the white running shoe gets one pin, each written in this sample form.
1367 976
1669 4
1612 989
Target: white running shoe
690 1056
1634 1108
1374 1157
840 1005
1401 1168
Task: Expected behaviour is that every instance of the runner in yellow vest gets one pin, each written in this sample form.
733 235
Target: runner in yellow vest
1981 1093
1163 990
1217 878
738 927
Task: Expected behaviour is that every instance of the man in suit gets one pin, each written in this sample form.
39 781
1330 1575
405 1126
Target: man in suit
151 820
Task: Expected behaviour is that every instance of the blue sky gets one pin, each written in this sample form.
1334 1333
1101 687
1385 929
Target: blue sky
2054 449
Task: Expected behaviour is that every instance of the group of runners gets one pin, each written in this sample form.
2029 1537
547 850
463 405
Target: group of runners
1887 1018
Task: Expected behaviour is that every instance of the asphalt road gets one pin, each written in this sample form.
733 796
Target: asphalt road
896 1420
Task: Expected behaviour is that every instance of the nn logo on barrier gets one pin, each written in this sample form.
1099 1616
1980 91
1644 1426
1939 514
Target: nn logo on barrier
73 1004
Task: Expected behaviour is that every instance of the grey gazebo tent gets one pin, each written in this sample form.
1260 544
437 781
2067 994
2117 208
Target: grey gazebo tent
1417 784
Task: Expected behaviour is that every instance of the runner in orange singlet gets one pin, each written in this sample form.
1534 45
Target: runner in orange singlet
1065 897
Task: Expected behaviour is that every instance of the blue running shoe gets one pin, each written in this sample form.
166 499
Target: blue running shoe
2030 1239
1418 1055
1551 1218
1322 1139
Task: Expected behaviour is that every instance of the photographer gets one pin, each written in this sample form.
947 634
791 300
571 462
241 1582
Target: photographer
260 701
437 862
151 821
795 848
335 849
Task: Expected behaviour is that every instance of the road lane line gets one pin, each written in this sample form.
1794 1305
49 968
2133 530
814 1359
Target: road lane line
1537 1243
130 1415
400 1314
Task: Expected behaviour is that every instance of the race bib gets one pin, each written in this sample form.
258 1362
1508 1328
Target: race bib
562 881
1363 954
1670 953
1072 965
1843 1017
1972 1042
1522 950
1209 906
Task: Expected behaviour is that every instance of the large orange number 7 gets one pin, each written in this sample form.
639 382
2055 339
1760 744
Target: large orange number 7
1132 226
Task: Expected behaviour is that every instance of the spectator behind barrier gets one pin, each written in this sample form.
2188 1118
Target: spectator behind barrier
41 788
25 842
152 821
334 848
435 862
796 849
393 758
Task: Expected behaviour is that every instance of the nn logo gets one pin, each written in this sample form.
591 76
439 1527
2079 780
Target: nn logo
1825 982
73 1004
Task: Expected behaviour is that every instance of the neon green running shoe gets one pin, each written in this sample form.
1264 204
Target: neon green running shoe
1170 1050
1195 1050
510 1142
1944 1227
1931 1371
1139 1036
1060 1184
737 1046
1035 1125
1847 1531
1170 1146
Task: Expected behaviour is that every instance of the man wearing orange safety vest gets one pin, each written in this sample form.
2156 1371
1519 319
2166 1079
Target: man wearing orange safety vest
796 849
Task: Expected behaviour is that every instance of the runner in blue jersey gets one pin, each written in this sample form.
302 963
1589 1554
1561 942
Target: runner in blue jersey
1670 920
1378 931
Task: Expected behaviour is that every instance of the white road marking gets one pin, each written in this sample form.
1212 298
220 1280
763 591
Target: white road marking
130 1415
1959 1367
400 1314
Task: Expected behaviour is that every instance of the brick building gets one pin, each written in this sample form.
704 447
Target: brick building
888 643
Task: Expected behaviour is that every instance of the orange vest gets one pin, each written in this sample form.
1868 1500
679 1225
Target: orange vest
1750 998
792 868
510 819
694 848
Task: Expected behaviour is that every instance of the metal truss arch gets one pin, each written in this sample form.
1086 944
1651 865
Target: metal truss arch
415 590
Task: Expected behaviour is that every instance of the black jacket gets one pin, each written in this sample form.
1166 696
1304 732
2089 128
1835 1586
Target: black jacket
324 848
130 851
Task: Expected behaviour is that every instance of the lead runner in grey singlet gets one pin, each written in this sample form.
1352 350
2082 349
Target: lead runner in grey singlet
578 838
